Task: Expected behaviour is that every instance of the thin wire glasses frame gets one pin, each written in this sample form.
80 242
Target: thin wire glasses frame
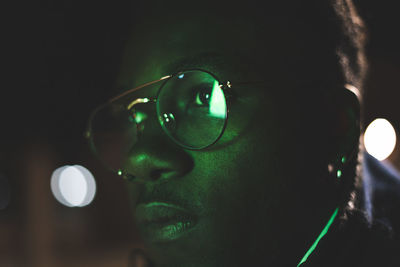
224 86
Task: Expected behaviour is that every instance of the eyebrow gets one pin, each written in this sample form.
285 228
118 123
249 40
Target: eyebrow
210 60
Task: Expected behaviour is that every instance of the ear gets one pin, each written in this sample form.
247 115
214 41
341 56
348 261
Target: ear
344 122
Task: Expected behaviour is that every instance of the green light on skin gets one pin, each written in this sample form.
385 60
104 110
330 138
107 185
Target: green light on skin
321 235
217 102
139 117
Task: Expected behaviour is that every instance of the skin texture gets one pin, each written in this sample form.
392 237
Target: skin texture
261 194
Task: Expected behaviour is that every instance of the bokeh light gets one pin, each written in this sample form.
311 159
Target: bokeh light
91 185
73 186
380 139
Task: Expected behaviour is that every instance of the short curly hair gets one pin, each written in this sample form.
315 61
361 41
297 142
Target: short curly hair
351 49
335 22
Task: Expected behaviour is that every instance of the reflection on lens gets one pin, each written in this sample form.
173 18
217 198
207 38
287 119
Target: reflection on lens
196 104
168 122
217 102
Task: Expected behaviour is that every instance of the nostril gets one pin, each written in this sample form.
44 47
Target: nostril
158 173
151 160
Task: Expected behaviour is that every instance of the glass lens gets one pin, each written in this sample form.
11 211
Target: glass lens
113 132
191 108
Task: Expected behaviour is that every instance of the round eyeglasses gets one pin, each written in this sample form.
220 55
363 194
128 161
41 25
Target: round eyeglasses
191 108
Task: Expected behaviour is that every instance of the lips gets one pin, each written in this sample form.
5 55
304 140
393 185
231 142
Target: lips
163 222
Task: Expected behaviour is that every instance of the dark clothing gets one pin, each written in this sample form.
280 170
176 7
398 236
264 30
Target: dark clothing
371 235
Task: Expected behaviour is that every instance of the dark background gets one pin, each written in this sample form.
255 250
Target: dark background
60 60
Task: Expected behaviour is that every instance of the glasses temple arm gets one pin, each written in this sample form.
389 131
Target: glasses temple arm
139 87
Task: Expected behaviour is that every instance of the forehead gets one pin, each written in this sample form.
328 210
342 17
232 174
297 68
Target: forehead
228 47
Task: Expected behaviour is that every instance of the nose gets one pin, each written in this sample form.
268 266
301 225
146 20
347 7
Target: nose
155 157
155 161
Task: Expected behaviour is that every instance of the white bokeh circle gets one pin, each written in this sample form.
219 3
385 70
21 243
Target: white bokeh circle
380 139
91 185
73 186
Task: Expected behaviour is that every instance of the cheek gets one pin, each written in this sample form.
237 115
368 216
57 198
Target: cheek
244 192
240 176
133 192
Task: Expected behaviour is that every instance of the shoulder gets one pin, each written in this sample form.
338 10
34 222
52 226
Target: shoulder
379 243
381 186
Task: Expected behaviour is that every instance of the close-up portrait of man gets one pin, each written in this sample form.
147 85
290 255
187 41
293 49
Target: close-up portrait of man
236 126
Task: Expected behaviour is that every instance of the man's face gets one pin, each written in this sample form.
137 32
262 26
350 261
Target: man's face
245 198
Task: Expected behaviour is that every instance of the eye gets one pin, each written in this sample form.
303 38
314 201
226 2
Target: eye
137 116
202 96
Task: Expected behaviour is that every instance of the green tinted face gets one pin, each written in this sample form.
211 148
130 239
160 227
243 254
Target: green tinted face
244 198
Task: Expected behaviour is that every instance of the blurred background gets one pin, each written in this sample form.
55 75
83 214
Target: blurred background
61 58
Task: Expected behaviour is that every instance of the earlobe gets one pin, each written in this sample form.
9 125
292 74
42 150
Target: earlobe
345 126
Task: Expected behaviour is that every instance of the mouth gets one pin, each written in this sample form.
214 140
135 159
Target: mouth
163 222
